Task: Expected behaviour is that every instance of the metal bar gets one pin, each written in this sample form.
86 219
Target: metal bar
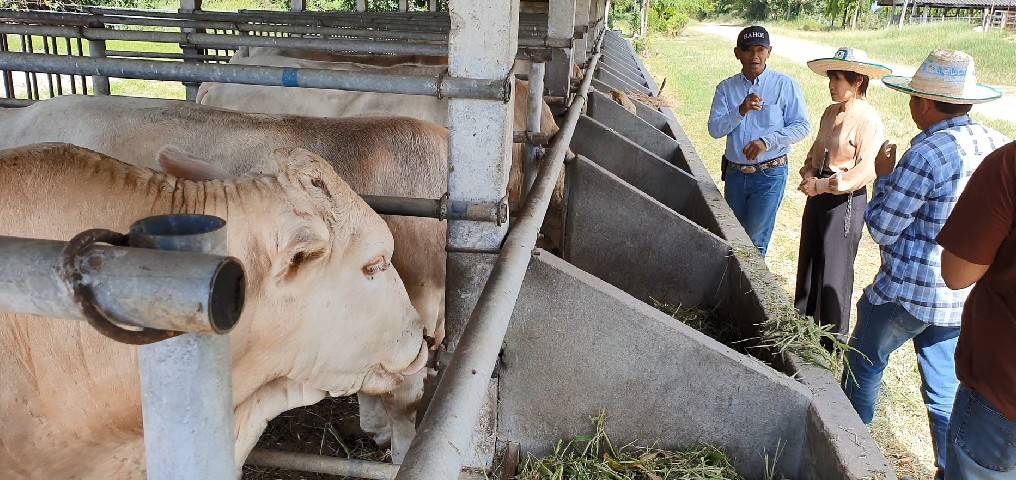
97 49
539 139
230 41
190 6
49 76
535 39
445 86
166 56
411 21
84 78
8 76
186 381
534 112
85 20
178 291
442 209
59 78
344 467
444 434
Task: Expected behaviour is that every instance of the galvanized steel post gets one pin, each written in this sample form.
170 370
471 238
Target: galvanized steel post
186 382
534 113
190 6
560 24
361 5
100 84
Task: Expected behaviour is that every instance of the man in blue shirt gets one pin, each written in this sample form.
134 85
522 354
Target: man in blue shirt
762 113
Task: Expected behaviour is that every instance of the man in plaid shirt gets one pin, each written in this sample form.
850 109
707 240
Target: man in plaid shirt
911 202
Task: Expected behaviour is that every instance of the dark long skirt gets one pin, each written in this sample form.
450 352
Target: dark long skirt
825 264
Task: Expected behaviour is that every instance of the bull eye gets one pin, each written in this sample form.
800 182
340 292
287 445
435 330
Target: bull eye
299 259
377 265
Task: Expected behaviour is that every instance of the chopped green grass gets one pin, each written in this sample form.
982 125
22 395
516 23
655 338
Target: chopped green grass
701 319
594 457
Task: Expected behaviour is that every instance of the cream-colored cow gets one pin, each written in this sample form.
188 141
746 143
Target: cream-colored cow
324 312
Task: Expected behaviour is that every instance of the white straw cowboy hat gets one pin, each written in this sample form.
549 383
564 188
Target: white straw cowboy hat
946 76
850 60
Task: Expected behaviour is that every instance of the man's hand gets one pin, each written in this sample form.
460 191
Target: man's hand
885 162
752 102
754 149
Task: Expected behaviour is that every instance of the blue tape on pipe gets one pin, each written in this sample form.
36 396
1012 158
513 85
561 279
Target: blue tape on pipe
290 77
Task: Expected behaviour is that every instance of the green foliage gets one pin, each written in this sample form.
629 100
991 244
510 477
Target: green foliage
624 15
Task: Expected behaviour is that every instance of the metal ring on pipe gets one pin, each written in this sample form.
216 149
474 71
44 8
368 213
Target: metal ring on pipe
85 297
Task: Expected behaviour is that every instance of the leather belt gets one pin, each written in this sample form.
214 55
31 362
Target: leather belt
758 167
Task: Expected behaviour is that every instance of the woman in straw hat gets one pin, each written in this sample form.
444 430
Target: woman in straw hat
835 174
909 298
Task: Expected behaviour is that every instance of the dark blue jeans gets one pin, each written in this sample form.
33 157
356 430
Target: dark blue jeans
880 330
982 442
755 198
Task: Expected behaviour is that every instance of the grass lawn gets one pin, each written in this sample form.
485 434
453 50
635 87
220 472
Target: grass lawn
693 65
993 51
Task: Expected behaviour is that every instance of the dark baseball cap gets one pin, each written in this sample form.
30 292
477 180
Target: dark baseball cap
753 35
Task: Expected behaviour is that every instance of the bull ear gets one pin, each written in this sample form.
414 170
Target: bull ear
181 164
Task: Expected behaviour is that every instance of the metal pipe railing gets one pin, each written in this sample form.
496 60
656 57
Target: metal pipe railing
287 22
446 430
176 291
442 87
441 209
212 40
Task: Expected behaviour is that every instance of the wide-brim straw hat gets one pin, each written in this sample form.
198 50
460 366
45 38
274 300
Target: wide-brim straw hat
946 76
850 60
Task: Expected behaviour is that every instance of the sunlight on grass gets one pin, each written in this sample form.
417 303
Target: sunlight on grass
993 51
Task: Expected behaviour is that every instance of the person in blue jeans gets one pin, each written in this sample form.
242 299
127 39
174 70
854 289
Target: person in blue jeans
762 113
980 246
909 299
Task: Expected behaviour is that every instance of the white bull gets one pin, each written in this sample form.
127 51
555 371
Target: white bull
324 312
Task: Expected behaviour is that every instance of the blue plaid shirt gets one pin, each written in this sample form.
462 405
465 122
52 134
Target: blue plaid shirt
909 208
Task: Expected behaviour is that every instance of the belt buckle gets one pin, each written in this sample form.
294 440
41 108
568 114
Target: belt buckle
750 169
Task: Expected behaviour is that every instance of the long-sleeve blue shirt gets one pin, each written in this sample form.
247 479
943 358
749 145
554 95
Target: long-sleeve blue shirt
782 122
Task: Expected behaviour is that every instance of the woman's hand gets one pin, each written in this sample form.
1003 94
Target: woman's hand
809 186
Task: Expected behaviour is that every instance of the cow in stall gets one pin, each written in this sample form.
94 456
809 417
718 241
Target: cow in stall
390 419
325 313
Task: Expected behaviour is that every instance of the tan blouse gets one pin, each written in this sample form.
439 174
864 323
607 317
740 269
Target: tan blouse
853 133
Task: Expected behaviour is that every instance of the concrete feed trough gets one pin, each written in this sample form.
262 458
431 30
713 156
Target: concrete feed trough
644 220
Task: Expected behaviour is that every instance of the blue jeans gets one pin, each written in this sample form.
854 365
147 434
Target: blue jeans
755 198
880 330
982 442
